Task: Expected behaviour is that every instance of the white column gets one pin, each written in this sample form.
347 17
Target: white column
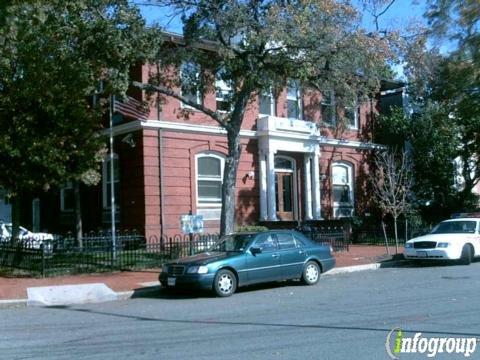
262 181
307 175
272 207
316 185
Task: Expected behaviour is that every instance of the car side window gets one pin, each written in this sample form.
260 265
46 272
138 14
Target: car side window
298 241
285 241
266 243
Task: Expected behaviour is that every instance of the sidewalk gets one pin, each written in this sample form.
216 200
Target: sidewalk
16 288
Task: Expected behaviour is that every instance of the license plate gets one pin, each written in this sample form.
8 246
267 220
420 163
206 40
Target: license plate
171 281
422 254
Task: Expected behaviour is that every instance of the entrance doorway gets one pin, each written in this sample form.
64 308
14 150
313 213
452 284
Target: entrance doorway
285 188
284 195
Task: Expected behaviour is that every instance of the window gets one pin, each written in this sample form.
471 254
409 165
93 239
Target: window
352 113
209 179
67 197
328 107
224 91
190 82
266 103
107 180
265 243
285 241
342 190
294 100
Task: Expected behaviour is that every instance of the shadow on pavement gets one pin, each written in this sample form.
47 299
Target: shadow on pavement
398 261
159 292
232 324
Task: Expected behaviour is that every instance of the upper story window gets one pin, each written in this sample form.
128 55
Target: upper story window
294 100
266 103
209 179
352 112
67 197
342 189
224 91
107 181
328 107
190 82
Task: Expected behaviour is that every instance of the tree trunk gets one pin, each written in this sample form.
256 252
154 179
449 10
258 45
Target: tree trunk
227 219
396 233
385 236
16 213
77 214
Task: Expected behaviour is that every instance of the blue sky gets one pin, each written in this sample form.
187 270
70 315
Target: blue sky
397 17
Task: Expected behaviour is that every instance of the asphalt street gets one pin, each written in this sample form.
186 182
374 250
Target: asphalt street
345 316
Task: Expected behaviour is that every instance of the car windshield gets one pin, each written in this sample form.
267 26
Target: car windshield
234 242
455 227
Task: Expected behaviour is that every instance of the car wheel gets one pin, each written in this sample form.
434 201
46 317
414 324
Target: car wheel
466 257
225 283
311 273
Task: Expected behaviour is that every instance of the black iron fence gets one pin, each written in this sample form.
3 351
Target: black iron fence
132 251
337 237
96 252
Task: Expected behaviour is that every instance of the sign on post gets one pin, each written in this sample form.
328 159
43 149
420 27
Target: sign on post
191 224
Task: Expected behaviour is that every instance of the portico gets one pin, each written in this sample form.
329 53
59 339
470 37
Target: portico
279 187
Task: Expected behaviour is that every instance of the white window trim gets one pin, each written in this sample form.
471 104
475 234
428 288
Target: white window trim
224 88
350 204
356 109
68 186
199 99
273 109
298 99
332 103
105 170
214 204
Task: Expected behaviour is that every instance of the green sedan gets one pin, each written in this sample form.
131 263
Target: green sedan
250 258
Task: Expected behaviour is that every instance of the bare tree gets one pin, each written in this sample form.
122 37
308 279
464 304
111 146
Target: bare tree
392 182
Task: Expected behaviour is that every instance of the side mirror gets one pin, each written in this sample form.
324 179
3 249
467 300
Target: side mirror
255 250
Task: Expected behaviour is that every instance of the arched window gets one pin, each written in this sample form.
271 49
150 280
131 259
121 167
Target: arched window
342 189
107 180
209 179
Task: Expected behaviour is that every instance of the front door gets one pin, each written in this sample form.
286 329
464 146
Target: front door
284 195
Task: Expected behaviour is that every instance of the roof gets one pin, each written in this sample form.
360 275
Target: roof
386 85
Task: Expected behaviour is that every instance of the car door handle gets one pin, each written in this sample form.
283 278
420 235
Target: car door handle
275 256
301 252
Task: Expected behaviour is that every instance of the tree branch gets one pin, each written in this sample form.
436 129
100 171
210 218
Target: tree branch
222 120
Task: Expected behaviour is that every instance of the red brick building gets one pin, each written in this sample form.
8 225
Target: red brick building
295 165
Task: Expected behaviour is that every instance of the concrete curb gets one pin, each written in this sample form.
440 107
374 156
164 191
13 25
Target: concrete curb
16 303
126 295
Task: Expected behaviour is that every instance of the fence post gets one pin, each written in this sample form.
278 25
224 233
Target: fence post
190 238
42 248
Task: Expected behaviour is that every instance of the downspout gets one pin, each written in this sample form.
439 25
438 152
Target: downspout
160 169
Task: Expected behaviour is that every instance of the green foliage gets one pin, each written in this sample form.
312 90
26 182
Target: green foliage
392 129
53 54
251 228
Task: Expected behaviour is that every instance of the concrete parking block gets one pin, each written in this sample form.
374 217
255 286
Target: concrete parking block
70 294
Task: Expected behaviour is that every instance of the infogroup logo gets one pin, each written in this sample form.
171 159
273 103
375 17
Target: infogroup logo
396 344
